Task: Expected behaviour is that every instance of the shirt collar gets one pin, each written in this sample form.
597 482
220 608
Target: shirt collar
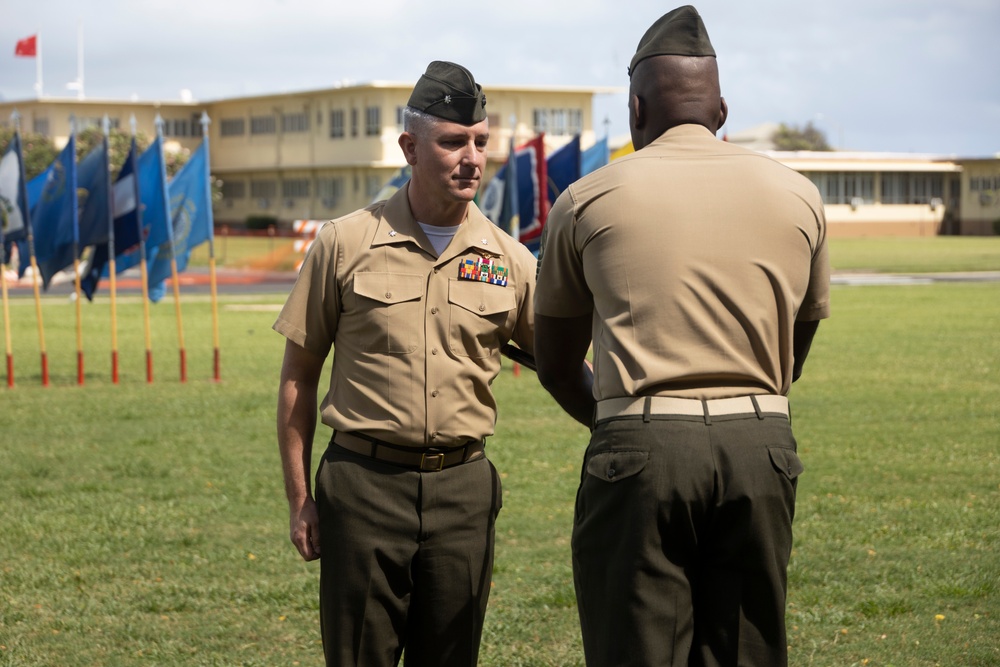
397 225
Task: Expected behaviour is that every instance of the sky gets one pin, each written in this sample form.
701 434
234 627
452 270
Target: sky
915 76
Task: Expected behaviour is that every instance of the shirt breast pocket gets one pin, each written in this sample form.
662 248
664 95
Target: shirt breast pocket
480 315
391 308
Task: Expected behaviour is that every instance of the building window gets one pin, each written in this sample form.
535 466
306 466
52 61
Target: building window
844 187
176 127
330 190
295 187
40 126
262 125
540 120
233 127
575 121
558 122
263 189
373 121
399 117
234 189
337 124
295 122
354 122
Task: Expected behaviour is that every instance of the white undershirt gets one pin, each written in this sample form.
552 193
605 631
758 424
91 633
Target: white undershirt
439 237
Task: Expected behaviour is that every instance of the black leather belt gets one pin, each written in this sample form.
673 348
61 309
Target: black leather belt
427 459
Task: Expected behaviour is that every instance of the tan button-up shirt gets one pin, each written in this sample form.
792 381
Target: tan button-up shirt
416 336
695 257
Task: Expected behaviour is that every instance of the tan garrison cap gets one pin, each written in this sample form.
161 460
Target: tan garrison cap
448 91
677 33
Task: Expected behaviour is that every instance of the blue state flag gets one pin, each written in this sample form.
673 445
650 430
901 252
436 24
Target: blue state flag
154 197
13 197
93 188
54 215
191 218
127 227
563 168
595 157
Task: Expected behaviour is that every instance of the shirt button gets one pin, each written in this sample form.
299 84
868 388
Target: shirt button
434 310
388 295
434 435
482 307
434 351
434 393
612 472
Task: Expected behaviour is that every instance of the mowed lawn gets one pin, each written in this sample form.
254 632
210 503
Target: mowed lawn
145 524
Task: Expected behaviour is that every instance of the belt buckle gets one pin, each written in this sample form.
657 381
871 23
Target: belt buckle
432 462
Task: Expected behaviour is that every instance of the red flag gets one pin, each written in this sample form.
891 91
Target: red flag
27 47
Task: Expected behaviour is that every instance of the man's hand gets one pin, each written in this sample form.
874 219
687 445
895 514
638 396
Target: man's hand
304 529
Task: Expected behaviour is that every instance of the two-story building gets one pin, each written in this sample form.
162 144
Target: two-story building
323 153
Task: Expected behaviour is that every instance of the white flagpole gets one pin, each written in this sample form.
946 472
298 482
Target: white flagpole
79 60
77 85
38 64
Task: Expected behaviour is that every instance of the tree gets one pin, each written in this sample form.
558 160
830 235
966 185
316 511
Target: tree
808 138
38 150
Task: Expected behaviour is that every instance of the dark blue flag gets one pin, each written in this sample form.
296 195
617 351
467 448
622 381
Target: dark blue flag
127 227
54 215
93 189
563 168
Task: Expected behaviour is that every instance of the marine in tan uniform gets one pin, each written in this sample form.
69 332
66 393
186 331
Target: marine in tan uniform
698 271
415 295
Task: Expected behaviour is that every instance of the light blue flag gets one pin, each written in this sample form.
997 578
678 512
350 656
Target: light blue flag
191 218
154 196
54 215
595 157
93 189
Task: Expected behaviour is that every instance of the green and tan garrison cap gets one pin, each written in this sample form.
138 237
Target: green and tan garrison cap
679 32
448 91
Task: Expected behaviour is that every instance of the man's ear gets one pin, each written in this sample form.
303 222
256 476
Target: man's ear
409 146
723 113
637 111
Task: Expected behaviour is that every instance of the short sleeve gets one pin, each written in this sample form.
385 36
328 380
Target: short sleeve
310 315
561 289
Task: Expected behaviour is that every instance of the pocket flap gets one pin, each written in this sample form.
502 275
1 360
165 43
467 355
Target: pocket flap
786 461
389 287
616 466
481 298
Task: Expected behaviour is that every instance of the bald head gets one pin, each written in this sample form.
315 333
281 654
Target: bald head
669 90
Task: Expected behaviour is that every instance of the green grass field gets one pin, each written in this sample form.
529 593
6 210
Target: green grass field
146 524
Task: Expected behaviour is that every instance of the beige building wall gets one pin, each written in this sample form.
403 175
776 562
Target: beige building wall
321 154
980 201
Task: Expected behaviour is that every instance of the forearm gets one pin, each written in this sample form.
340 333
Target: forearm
296 428
561 346
802 337
296 420
574 394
